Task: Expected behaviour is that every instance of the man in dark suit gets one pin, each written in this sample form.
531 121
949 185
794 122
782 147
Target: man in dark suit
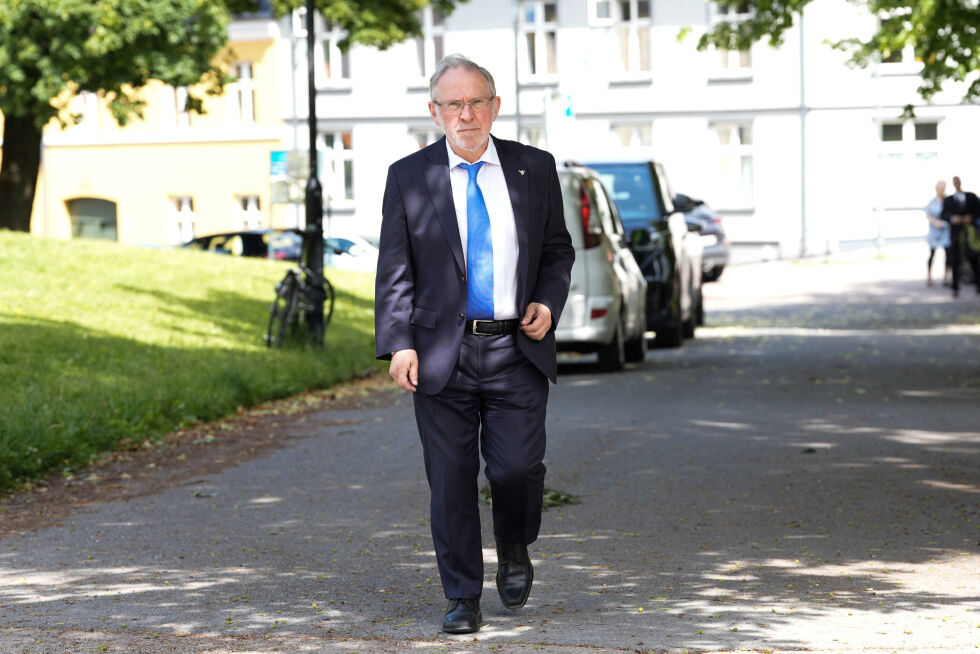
473 272
960 209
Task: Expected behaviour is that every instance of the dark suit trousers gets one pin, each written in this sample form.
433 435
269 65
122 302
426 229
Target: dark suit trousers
958 250
494 404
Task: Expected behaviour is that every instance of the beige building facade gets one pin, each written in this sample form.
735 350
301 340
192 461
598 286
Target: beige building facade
170 175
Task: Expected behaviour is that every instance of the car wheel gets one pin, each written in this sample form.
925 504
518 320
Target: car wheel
695 318
673 336
713 274
636 348
612 357
699 314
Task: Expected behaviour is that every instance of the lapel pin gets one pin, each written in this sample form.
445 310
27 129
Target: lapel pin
521 172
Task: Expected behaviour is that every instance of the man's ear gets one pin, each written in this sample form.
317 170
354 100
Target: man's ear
496 106
434 114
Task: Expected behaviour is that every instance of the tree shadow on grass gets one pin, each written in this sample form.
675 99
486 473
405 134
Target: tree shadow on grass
243 317
71 391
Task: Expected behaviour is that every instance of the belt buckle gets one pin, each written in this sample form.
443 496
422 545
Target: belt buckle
476 324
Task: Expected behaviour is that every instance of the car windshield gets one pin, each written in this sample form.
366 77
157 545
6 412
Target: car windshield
632 190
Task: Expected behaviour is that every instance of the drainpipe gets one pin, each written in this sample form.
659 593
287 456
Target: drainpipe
517 82
803 112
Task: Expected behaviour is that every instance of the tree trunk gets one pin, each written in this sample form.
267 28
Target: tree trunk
18 172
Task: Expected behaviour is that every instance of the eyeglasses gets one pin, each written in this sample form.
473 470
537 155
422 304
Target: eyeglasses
456 106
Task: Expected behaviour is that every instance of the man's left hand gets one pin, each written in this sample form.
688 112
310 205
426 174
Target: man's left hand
536 321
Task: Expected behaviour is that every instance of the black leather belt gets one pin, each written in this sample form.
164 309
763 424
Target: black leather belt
492 327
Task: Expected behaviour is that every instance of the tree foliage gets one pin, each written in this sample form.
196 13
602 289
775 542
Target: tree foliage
378 23
52 50
945 35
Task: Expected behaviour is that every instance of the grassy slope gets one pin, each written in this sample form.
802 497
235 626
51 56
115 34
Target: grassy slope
100 342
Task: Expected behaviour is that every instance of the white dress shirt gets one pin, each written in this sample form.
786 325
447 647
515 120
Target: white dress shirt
503 228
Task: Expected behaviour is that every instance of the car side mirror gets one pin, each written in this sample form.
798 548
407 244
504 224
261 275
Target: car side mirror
683 203
640 237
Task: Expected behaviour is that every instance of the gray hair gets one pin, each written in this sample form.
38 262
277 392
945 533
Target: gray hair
459 61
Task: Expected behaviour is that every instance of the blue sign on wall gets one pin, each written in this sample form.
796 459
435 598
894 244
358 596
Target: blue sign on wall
277 163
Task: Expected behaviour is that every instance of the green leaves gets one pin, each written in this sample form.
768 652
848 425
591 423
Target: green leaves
942 33
379 23
50 51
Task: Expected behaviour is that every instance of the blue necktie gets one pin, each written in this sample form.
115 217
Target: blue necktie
479 250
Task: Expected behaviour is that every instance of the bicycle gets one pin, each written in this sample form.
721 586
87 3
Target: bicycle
299 292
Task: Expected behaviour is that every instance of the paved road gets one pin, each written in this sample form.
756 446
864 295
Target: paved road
801 477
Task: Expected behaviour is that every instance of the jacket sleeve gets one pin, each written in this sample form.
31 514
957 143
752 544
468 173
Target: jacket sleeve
557 252
394 288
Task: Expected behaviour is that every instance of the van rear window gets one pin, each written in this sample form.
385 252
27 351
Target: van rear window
632 189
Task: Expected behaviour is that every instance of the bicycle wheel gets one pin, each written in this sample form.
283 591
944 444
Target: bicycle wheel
282 311
327 303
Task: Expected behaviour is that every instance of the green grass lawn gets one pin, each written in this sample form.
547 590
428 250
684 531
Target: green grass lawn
100 341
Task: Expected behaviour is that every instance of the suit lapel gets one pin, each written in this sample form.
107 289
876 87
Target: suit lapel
518 187
441 192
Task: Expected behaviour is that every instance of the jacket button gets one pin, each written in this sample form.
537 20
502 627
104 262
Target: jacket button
462 315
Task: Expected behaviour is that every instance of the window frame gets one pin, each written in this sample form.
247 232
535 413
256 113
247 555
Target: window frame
336 166
430 48
242 108
542 31
326 51
632 67
729 65
735 191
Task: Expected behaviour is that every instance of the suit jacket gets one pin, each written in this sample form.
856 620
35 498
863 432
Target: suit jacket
952 208
420 291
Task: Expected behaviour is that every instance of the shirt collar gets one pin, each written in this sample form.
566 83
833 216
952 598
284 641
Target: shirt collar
489 155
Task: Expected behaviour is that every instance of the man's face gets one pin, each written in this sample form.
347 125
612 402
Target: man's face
467 131
956 184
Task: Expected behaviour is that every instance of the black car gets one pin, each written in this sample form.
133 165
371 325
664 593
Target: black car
707 222
286 243
666 248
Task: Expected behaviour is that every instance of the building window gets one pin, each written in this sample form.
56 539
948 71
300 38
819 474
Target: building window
731 62
431 48
908 153
337 169
180 219
539 38
534 136
246 212
85 106
906 55
629 21
633 135
736 176
242 93
93 218
424 137
183 116
336 63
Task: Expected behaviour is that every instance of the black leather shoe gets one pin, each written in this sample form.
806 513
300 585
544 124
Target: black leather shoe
462 616
515 574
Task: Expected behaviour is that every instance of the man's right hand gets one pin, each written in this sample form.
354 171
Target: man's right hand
404 369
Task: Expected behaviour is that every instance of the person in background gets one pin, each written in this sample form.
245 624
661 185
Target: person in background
959 210
938 236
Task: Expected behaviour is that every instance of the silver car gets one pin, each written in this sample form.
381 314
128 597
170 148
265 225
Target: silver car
606 308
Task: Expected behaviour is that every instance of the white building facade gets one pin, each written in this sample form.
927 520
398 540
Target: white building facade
800 153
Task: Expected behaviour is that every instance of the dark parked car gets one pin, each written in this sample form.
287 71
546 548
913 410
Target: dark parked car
286 243
665 247
707 222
